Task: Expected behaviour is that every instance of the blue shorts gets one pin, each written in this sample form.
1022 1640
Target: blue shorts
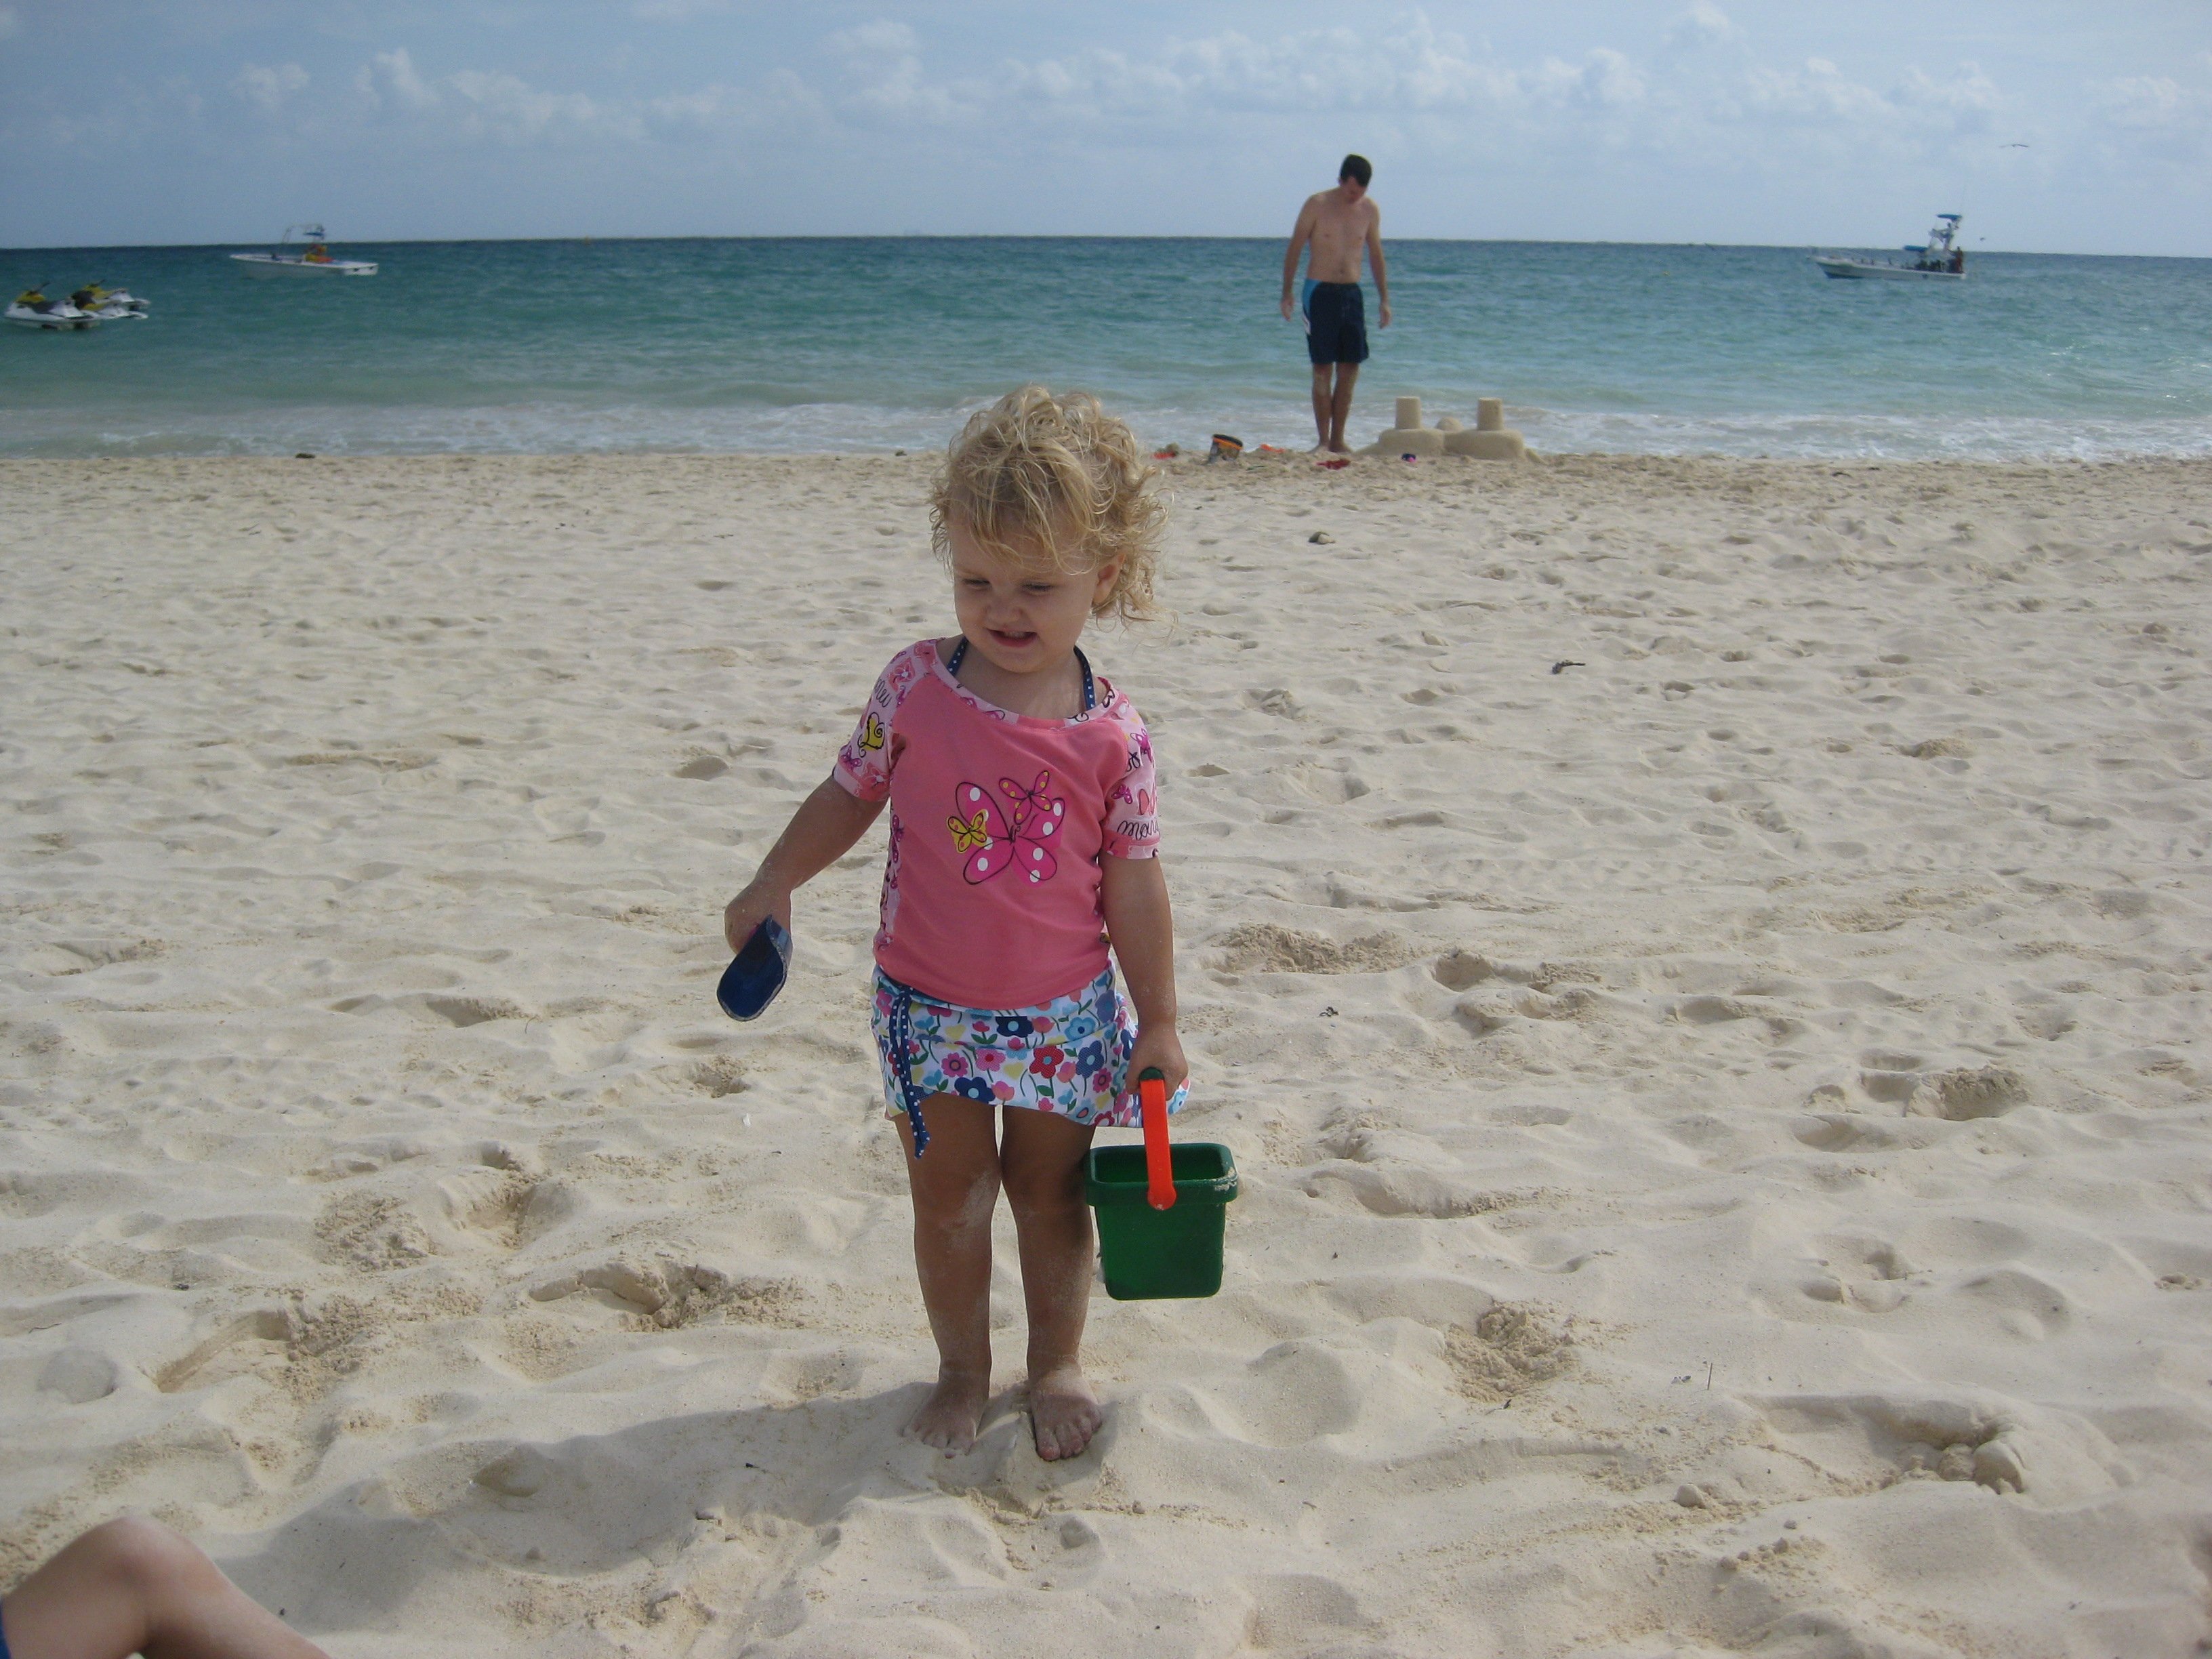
1336 324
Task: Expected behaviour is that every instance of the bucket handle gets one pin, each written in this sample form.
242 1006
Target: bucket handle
1159 1169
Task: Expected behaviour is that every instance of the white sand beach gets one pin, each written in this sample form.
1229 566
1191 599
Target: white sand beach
1704 967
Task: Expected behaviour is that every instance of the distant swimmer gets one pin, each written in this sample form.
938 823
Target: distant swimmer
1337 225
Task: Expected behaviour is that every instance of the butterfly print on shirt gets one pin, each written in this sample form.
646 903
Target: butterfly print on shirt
998 838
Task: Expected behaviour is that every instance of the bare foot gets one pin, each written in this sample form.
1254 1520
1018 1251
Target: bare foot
1063 1414
949 1419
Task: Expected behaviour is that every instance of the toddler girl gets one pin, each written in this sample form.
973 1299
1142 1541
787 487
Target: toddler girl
1024 826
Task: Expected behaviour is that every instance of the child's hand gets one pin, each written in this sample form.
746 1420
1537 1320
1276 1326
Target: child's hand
746 912
1159 1045
821 831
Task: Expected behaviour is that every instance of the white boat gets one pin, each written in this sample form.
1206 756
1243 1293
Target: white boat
33 309
1942 260
310 257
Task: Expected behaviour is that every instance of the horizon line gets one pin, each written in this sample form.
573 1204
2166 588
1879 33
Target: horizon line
594 239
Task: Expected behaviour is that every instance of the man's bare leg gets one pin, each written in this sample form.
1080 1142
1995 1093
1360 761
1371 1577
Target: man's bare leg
1042 1161
1321 402
1340 407
956 1187
133 1586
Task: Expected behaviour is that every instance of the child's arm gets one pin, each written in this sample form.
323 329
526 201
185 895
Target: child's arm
821 831
1135 892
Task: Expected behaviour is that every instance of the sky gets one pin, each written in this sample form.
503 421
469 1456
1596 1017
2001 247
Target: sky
2054 127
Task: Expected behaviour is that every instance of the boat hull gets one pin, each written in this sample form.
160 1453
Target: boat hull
268 265
72 323
1870 270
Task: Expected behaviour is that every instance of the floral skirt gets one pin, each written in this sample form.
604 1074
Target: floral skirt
1070 1055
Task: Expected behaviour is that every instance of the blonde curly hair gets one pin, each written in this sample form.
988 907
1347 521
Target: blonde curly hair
1040 479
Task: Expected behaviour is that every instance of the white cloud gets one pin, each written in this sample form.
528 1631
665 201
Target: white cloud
395 71
780 101
2157 117
1606 79
2146 101
496 105
1918 110
1687 109
1703 25
267 87
884 59
881 36
1415 68
1967 96
1818 92
500 104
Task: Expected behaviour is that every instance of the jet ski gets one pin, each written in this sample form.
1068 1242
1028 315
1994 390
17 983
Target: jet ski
110 304
33 309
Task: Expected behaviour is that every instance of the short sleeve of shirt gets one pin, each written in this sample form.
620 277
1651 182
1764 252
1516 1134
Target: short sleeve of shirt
1132 811
864 764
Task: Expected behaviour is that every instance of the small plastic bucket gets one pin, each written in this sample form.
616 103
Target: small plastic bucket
1145 1253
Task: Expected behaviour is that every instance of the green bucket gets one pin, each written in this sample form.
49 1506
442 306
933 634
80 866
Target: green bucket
1148 1253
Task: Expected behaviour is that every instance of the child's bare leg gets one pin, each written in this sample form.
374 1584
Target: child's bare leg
1321 405
956 1187
133 1586
1042 1163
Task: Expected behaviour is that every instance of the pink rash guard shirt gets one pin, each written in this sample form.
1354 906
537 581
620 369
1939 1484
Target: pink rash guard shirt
999 820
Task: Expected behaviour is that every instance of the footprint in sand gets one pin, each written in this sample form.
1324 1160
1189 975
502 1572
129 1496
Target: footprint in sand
1967 1093
666 1292
720 1077
1396 1187
1875 1441
493 1204
233 1351
1513 1348
1331 785
1459 970
80 1375
1264 947
1303 1613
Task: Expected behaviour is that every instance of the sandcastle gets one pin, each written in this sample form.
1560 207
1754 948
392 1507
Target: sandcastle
1491 441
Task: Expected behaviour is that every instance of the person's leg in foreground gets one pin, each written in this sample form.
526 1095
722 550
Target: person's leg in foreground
955 1188
1324 403
133 1586
1340 407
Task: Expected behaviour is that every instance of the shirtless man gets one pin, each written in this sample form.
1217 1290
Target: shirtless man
1337 225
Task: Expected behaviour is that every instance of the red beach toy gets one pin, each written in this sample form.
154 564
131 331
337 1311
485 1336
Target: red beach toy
1159 1176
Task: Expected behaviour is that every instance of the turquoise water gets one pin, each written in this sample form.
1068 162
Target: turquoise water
876 343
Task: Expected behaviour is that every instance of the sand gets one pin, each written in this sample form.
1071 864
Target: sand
1704 968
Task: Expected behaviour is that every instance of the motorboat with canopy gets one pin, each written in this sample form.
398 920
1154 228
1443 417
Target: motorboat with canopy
304 251
1942 259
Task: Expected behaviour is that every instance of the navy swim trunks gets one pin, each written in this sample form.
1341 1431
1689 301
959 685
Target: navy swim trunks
1336 324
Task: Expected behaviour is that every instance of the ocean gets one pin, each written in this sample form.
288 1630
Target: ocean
874 343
